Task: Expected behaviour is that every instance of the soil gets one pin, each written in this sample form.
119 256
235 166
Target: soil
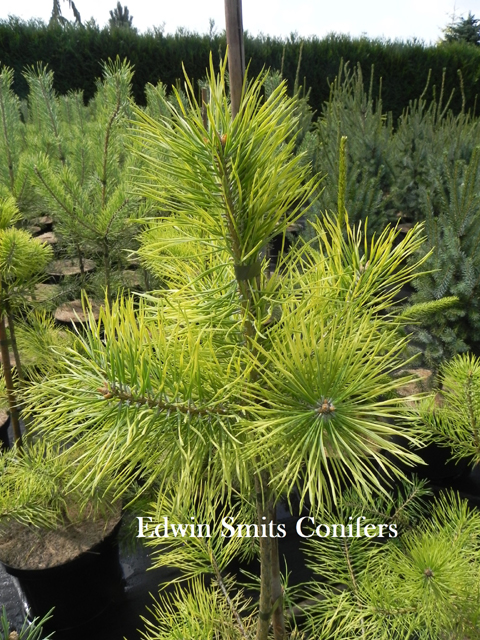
132 278
28 547
45 292
422 383
49 237
73 312
69 267
43 221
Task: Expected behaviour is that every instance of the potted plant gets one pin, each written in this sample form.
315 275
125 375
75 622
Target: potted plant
57 541
14 169
421 583
83 180
452 418
22 263
234 380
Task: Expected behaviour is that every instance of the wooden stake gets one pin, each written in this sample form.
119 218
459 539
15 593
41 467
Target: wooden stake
236 53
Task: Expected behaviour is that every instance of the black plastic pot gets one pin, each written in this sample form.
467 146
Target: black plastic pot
440 466
4 439
79 590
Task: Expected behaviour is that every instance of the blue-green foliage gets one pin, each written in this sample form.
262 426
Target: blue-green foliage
452 211
351 111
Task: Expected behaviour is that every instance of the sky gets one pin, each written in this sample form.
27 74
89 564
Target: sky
402 20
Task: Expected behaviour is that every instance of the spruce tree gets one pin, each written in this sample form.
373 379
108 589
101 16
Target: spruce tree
463 30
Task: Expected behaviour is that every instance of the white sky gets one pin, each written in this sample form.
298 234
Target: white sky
392 19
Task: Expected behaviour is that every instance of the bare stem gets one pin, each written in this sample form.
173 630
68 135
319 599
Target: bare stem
265 603
7 372
222 586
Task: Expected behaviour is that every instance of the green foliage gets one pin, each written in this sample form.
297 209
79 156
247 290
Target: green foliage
417 147
156 96
453 233
180 363
428 138
74 53
201 613
235 381
40 341
36 489
463 30
257 148
120 18
22 258
422 310
388 170
83 182
12 139
45 128
453 419
22 263
351 112
240 381
202 556
30 630
58 18
424 584
9 213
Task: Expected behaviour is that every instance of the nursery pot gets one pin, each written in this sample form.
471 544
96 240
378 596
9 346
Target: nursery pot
4 439
440 466
79 590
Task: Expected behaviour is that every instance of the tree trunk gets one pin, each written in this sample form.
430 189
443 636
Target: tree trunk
265 603
204 108
106 266
11 326
271 592
278 617
236 53
7 372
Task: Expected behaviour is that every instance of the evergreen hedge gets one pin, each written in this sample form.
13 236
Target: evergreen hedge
75 55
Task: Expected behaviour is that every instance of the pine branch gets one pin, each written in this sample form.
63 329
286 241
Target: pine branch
111 391
61 204
223 588
103 179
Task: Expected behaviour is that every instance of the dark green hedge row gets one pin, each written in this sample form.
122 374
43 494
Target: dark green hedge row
74 54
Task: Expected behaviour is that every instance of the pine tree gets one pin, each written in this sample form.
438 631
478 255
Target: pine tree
14 166
58 18
120 18
232 386
421 584
80 168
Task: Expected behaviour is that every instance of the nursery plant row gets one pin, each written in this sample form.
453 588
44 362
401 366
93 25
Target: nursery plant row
73 164
285 276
